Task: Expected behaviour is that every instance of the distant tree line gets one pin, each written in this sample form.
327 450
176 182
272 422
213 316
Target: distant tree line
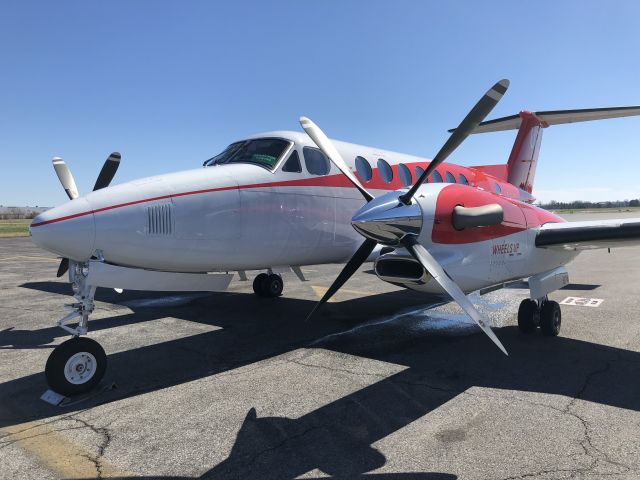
581 204
17 213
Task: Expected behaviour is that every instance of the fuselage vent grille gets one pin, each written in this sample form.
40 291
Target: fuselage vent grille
160 219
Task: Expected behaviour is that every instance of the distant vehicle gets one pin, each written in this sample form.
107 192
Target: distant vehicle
275 201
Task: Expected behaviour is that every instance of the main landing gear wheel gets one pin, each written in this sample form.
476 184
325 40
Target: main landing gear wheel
268 285
75 366
550 318
547 316
257 284
528 316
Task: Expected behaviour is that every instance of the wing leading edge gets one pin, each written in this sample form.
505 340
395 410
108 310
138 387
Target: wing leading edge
589 234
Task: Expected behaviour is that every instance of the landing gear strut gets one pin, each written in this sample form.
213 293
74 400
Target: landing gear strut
78 364
268 285
543 313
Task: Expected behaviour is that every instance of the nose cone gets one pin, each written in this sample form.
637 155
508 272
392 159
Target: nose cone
67 230
386 220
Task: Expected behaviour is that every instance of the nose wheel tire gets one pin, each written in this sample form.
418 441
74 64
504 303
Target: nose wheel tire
268 285
75 366
550 318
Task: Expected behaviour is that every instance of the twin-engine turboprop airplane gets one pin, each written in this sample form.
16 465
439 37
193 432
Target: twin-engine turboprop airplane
277 201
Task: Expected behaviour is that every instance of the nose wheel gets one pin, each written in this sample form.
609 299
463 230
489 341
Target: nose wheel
268 285
75 366
545 314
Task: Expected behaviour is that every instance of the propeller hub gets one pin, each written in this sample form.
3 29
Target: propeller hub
387 220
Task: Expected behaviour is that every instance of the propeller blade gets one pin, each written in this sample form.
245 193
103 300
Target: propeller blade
65 177
349 269
466 127
108 171
332 153
432 266
63 267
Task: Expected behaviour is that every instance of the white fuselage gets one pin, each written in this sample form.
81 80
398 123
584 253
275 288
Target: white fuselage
247 217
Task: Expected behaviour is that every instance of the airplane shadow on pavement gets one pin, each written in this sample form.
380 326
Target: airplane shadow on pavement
337 438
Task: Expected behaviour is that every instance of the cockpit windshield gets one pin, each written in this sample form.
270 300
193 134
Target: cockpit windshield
260 151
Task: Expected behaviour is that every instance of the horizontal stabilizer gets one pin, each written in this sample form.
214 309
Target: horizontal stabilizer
557 117
590 234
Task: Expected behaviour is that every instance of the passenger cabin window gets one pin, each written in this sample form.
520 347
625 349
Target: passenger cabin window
363 168
498 189
449 177
315 161
386 173
463 180
264 152
293 163
436 177
405 175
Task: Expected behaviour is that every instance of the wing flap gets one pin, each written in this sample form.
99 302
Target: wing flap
590 234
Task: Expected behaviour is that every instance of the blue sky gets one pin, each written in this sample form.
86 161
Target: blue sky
169 84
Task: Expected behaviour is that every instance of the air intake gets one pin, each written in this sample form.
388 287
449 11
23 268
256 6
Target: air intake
400 269
160 219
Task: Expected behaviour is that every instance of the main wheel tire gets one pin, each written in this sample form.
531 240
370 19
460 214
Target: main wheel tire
527 313
258 284
550 318
273 285
75 366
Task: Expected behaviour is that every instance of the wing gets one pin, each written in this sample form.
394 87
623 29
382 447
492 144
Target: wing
590 234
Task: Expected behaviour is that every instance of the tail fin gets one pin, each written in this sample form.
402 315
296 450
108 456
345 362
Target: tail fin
521 167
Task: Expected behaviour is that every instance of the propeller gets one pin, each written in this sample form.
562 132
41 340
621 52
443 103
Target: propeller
105 176
477 114
350 268
325 145
63 267
392 220
65 177
439 274
108 171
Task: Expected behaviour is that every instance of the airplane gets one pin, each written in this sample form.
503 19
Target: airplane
277 201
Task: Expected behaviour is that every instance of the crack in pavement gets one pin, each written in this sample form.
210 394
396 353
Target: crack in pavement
597 455
106 440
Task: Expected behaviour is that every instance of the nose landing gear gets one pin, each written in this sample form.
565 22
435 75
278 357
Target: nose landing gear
543 313
78 364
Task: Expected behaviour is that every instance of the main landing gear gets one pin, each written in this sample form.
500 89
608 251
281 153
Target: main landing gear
268 285
78 364
543 313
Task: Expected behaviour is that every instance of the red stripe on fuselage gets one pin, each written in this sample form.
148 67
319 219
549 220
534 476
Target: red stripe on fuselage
475 177
328 181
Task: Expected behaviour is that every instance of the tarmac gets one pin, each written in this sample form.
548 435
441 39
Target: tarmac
383 383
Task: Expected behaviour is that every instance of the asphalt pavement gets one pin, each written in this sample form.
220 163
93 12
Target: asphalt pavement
382 383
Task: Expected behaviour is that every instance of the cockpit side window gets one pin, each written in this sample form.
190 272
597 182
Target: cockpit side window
293 163
228 152
315 161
